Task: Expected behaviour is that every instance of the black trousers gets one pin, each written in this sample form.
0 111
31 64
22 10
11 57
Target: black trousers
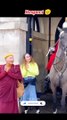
37 107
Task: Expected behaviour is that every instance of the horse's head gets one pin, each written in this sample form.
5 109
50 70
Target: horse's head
63 40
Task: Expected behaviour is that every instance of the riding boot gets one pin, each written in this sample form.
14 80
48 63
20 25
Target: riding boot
55 105
46 84
58 92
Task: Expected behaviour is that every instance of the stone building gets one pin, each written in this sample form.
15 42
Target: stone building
14 38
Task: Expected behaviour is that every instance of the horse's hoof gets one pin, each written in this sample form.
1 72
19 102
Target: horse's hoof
55 111
63 110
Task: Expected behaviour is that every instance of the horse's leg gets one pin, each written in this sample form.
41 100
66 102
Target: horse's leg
53 88
63 109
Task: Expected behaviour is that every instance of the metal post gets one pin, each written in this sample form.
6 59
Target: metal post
49 32
32 28
33 23
28 35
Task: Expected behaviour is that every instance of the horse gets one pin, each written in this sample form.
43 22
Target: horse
58 72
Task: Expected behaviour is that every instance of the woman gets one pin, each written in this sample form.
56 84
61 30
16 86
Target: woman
9 74
29 70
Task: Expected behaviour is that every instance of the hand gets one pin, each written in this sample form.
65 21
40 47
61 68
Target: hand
6 68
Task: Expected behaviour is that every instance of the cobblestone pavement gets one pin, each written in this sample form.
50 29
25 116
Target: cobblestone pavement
48 107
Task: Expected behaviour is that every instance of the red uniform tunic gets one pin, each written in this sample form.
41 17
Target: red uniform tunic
8 85
52 57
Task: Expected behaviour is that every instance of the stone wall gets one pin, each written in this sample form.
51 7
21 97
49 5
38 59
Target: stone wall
12 38
40 47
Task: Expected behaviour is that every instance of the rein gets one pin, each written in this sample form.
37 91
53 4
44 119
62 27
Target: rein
63 68
61 60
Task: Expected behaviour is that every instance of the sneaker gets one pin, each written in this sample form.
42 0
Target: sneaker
55 112
26 111
38 111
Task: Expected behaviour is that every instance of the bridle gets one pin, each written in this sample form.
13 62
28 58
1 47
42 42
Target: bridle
63 68
60 73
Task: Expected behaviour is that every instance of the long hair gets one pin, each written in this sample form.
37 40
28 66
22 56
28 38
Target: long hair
24 61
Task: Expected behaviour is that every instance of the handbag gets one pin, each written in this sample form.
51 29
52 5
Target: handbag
20 89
